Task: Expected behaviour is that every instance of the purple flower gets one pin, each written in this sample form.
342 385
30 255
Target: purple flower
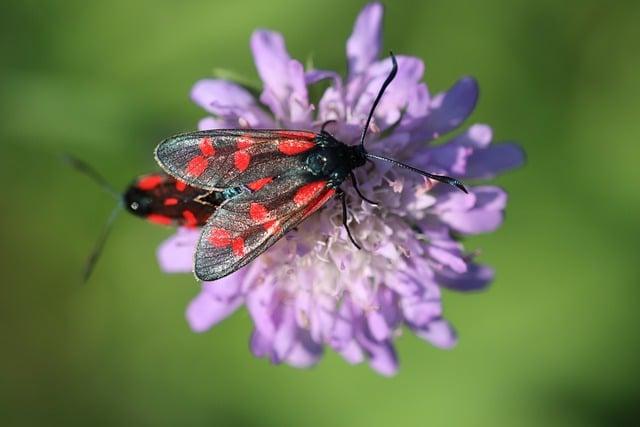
313 289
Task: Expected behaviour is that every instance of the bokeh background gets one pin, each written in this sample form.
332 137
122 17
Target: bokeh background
554 341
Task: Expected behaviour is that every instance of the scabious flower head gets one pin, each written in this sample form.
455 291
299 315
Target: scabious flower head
313 288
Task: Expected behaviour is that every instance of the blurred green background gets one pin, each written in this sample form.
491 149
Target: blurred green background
554 341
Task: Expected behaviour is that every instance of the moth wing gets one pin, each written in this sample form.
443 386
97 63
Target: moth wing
248 224
218 159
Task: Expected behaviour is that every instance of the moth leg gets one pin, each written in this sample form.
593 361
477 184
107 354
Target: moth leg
355 185
344 218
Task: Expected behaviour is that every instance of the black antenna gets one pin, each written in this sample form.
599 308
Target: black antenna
389 79
441 178
99 246
89 171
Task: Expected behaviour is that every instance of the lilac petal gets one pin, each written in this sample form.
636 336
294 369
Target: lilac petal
208 123
400 91
260 304
485 216
305 352
175 255
286 333
216 301
271 58
351 352
259 344
448 258
382 356
485 164
450 109
285 90
230 101
439 333
419 310
315 76
216 96
476 278
365 41
378 326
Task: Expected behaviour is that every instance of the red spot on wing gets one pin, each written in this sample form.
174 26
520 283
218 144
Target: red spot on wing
189 218
291 147
160 219
206 147
241 160
181 185
150 182
259 183
272 226
296 134
219 237
258 212
238 247
170 201
197 165
245 141
308 192
317 204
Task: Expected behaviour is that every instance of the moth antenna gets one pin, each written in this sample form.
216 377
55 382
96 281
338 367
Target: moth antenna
99 246
389 79
88 170
441 178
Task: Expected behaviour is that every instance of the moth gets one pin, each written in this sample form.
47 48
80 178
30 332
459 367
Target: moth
156 197
278 179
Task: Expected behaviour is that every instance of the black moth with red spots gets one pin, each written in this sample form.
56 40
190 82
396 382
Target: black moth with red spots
162 199
278 178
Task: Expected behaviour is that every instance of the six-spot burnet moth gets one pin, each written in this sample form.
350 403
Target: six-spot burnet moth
156 197
279 177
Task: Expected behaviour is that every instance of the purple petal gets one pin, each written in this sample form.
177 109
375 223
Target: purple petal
476 278
230 101
259 344
450 109
315 76
378 326
419 310
382 358
396 98
210 123
175 255
485 216
351 352
439 333
305 352
285 90
216 301
448 258
365 41
261 305
485 164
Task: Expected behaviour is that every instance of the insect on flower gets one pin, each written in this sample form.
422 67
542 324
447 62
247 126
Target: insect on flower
156 197
279 177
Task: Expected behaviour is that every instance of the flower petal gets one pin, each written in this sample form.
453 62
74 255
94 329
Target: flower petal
175 255
215 302
486 215
230 101
285 90
476 278
448 110
439 333
498 158
365 41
